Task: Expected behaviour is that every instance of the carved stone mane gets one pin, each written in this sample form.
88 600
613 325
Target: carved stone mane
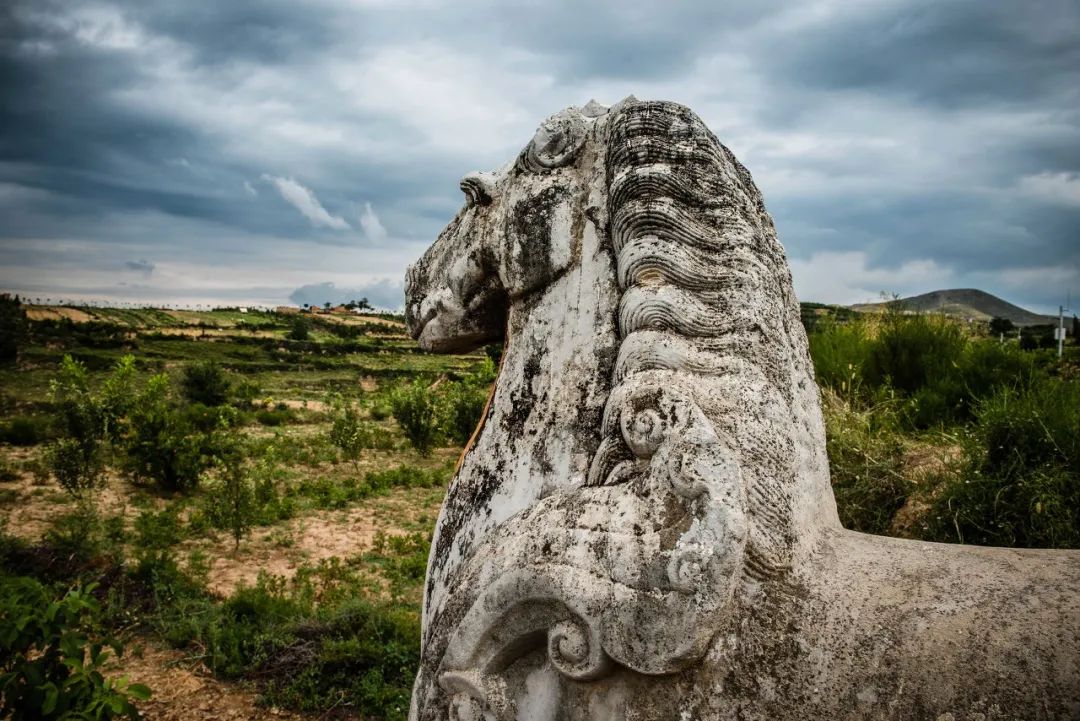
643 526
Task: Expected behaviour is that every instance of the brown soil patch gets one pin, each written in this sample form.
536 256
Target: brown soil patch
317 406
280 550
184 691
925 459
34 506
50 312
189 332
353 319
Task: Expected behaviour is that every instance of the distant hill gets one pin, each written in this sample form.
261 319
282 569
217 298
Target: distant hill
963 303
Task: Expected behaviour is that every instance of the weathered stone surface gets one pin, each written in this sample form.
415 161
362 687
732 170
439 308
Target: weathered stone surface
643 527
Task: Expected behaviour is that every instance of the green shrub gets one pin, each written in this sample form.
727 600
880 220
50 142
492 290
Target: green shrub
87 422
49 667
23 431
274 418
415 409
312 642
347 431
929 361
169 445
1020 482
381 411
866 463
205 382
464 405
839 352
299 329
236 499
911 351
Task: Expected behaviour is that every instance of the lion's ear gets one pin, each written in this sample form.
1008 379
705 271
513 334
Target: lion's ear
558 140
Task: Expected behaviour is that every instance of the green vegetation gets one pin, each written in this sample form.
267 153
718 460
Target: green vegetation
212 425
995 427
1019 481
165 446
416 410
52 657
205 382
12 327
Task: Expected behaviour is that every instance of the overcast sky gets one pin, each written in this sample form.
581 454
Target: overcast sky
253 151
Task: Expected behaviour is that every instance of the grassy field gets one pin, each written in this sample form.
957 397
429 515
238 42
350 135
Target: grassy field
246 505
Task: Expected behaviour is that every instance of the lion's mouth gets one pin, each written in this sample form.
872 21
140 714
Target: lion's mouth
421 322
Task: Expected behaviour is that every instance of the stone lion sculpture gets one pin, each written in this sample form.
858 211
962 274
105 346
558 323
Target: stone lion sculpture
643 526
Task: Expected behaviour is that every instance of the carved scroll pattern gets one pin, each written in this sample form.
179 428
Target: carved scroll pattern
636 570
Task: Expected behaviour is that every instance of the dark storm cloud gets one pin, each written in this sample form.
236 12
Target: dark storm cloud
142 266
281 145
946 53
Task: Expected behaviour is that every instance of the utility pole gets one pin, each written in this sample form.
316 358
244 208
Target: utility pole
1060 333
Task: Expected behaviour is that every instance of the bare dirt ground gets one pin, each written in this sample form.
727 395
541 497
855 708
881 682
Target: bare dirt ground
198 332
183 691
31 504
280 550
44 312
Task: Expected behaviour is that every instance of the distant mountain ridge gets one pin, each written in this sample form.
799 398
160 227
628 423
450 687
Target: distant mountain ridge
963 303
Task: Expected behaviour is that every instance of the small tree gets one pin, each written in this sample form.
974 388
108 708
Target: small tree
348 431
205 382
12 328
237 501
169 445
1000 325
415 410
301 329
87 423
465 402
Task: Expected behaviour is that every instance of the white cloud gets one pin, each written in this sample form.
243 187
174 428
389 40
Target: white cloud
304 200
847 277
371 225
251 189
1056 188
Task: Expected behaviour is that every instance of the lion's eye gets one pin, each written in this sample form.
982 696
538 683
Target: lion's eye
476 190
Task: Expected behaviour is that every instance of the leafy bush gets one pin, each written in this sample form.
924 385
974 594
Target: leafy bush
839 352
465 402
866 463
236 499
87 422
910 351
49 669
1020 482
347 431
300 329
273 418
173 446
929 361
23 431
312 642
205 382
415 409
